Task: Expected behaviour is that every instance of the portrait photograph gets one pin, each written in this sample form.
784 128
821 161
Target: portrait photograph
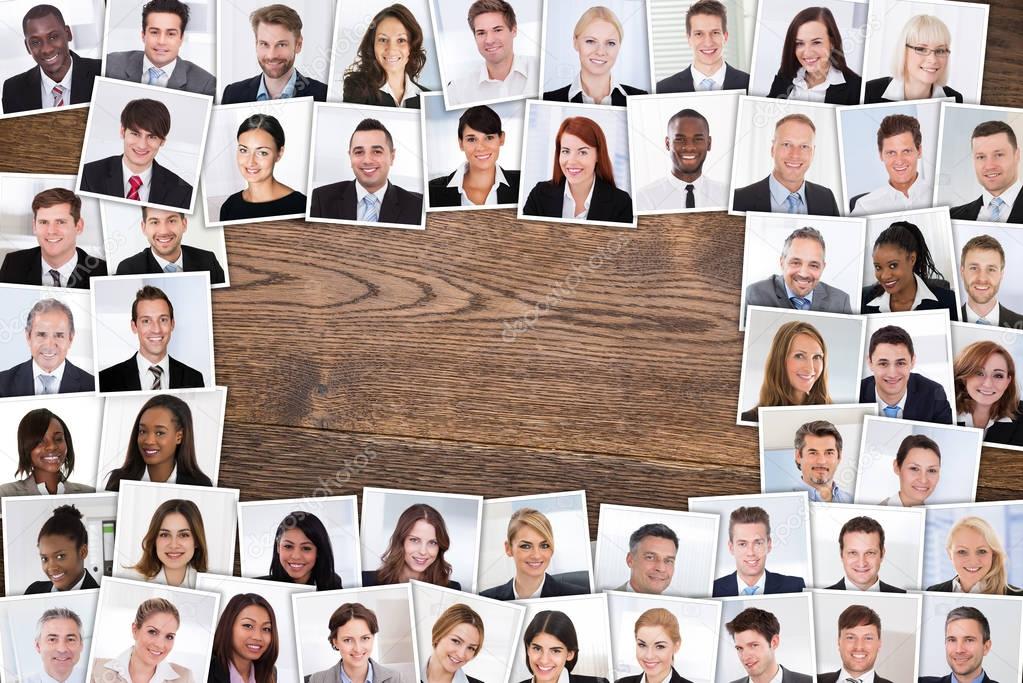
430 537
851 555
80 525
674 146
172 626
972 548
802 263
901 62
133 153
148 340
579 618
901 464
136 425
79 45
56 340
61 625
170 533
945 614
784 149
789 616
648 550
687 626
986 253
448 621
794 357
381 616
42 222
366 167
896 173
508 45
987 383
575 165
472 157
541 542
311 541
812 449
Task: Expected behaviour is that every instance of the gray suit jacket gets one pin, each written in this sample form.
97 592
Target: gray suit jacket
786 677
381 674
771 292
27 487
127 66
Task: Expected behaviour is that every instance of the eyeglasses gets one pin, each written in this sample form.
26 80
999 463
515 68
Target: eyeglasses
940 53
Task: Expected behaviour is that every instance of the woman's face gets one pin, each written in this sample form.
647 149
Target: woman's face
655 651
159 436
457 647
175 544
298 555
987 386
257 154
598 44
354 641
252 633
531 552
578 160
50 453
813 47
391 46
918 475
62 563
421 547
929 69
547 657
804 364
481 149
155 638
971 556
893 268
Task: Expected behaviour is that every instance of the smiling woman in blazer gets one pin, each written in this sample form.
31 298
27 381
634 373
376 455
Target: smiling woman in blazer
63 545
920 64
479 181
658 640
389 59
987 392
907 279
979 560
813 67
552 647
457 637
353 629
46 456
582 184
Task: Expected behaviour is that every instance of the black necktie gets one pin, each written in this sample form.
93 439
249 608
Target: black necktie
690 200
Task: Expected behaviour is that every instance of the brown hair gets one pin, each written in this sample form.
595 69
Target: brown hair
863 525
982 242
348 612
393 558
989 128
265 671
31 432
56 196
711 7
149 564
818 428
281 15
749 515
365 76
897 124
147 115
971 361
775 390
753 619
484 6
790 65
658 616
589 132
916 441
453 616
155 606
859 615
150 293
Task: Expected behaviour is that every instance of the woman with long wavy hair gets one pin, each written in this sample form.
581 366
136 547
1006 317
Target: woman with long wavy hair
388 62
796 369
415 551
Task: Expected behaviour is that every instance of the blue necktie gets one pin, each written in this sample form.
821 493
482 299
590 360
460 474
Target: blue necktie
996 208
982 321
891 411
707 84
155 74
370 213
794 201
749 590
171 268
801 303
49 383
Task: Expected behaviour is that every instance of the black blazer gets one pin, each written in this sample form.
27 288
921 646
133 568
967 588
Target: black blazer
37 587
885 587
970 211
683 81
125 376
442 195
832 677
192 258
1006 317
552 588
820 201
334 585
370 579
339 200
23 92
246 91
219 675
617 98
577 678
925 399
844 93
948 679
379 98
18 380
608 203
166 187
773 584
946 300
946 587
877 86
1008 433
675 678
25 267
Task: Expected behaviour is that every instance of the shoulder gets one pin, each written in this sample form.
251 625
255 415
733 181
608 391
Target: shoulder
197 253
738 77
949 92
780 85
167 175
23 255
758 186
918 381
637 678
18 80
183 672
370 579
235 91
823 189
442 181
788 676
876 88
405 195
943 587
630 90
676 82
133 265
119 59
502 592
333 188
832 676
103 164
196 70
72 487
559 95
305 87
89 65
554 587
38 587
578 678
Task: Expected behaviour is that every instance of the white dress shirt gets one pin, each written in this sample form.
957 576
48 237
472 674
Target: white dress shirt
884 301
64 271
576 88
894 500
191 576
172 479
58 374
162 80
146 176
958 587
146 377
804 93
568 205
994 317
119 666
967 420
534 595
478 86
759 584
668 193
881 404
459 177
667 677
46 85
180 262
41 487
77 676
896 91
1008 196
862 678
411 90
718 77
874 588
886 199
360 194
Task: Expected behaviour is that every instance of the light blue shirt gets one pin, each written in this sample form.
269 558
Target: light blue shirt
780 195
789 293
979 679
343 677
289 90
837 494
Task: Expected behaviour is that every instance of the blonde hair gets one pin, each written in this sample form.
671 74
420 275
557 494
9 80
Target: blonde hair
535 520
661 617
458 613
996 581
923 28
155 606
598 13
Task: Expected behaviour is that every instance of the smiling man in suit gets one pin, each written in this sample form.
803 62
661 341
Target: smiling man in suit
967 642
861 547
707 33
859 642
757 635
898 391
166 254
49 331
996 163
981 267
152 320
749 542
371 197
58 261
61 77
163 32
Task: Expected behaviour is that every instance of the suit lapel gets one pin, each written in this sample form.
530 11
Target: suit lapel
389 208
35 96
134 67
179 79
176 373
114 178
35 271
687 79
81 272
348 203
152 265
1016 215
24 383
157 186
764 196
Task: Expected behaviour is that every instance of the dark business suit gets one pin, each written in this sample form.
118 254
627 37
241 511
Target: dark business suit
340 200
675 678
125 376
189 77
1006 317
442 195
105 176
23 92
948 679
607 204
617 98
970 211
246 91
771 292
370 579
820 201
842 93
946 587
552 588
37 587
885 587
379 98
925 399
773 584
876 87
193 260
683 81
946 300
832 677
25 267
577 678
18 380
786 677
1008 433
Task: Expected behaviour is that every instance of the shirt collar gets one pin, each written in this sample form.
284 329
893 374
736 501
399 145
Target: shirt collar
834 77
459 177
167 69
958 587
874 588
164 262
923 292
789 293
1009 196
144 365
49 83
345 678
164 670
994 317
718 76
759 584
58 372
172 479
520 65
881 403
232 673
967 420
667 677
191 576
288 91
896 91
979 678
41 487
534 595
78 585
780 193
586 204
145 175
361 192
862 678
64 270
411 90
459 677
837 494
577 88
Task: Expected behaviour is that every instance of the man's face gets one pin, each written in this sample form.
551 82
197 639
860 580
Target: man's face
494 40
140 147
653 565
688 140
276 48
899 154
818 459
59 646
57 232
164 230
792 151
162 37
46 39
995 162
965 648
981 271
749 545
858 647
49 339
707 40
803 265
371 158
153 325
891 364
756 653
861 557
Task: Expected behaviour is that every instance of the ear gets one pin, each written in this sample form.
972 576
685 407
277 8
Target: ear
501 138
79 226
709 139
298 45
895 467
571 656
83 552
667 143
769 544
775 641
184 221
134 327
628 560
122 132
507 549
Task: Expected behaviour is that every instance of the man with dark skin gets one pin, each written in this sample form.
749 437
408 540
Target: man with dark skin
688 140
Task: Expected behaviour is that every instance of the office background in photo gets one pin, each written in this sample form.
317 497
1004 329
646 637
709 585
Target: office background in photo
15 305
16 220
1005 518
1002 662
441 136
957 178
669 47
1010 291
795 642
964 334
124 31
18 642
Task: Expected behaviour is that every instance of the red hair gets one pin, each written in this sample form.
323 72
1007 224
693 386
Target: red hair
589 132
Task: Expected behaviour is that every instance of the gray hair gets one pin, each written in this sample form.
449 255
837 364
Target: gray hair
655 529
57 613
806 233
46 306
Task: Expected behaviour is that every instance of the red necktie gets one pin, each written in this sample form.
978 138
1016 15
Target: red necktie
58 95
135 183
